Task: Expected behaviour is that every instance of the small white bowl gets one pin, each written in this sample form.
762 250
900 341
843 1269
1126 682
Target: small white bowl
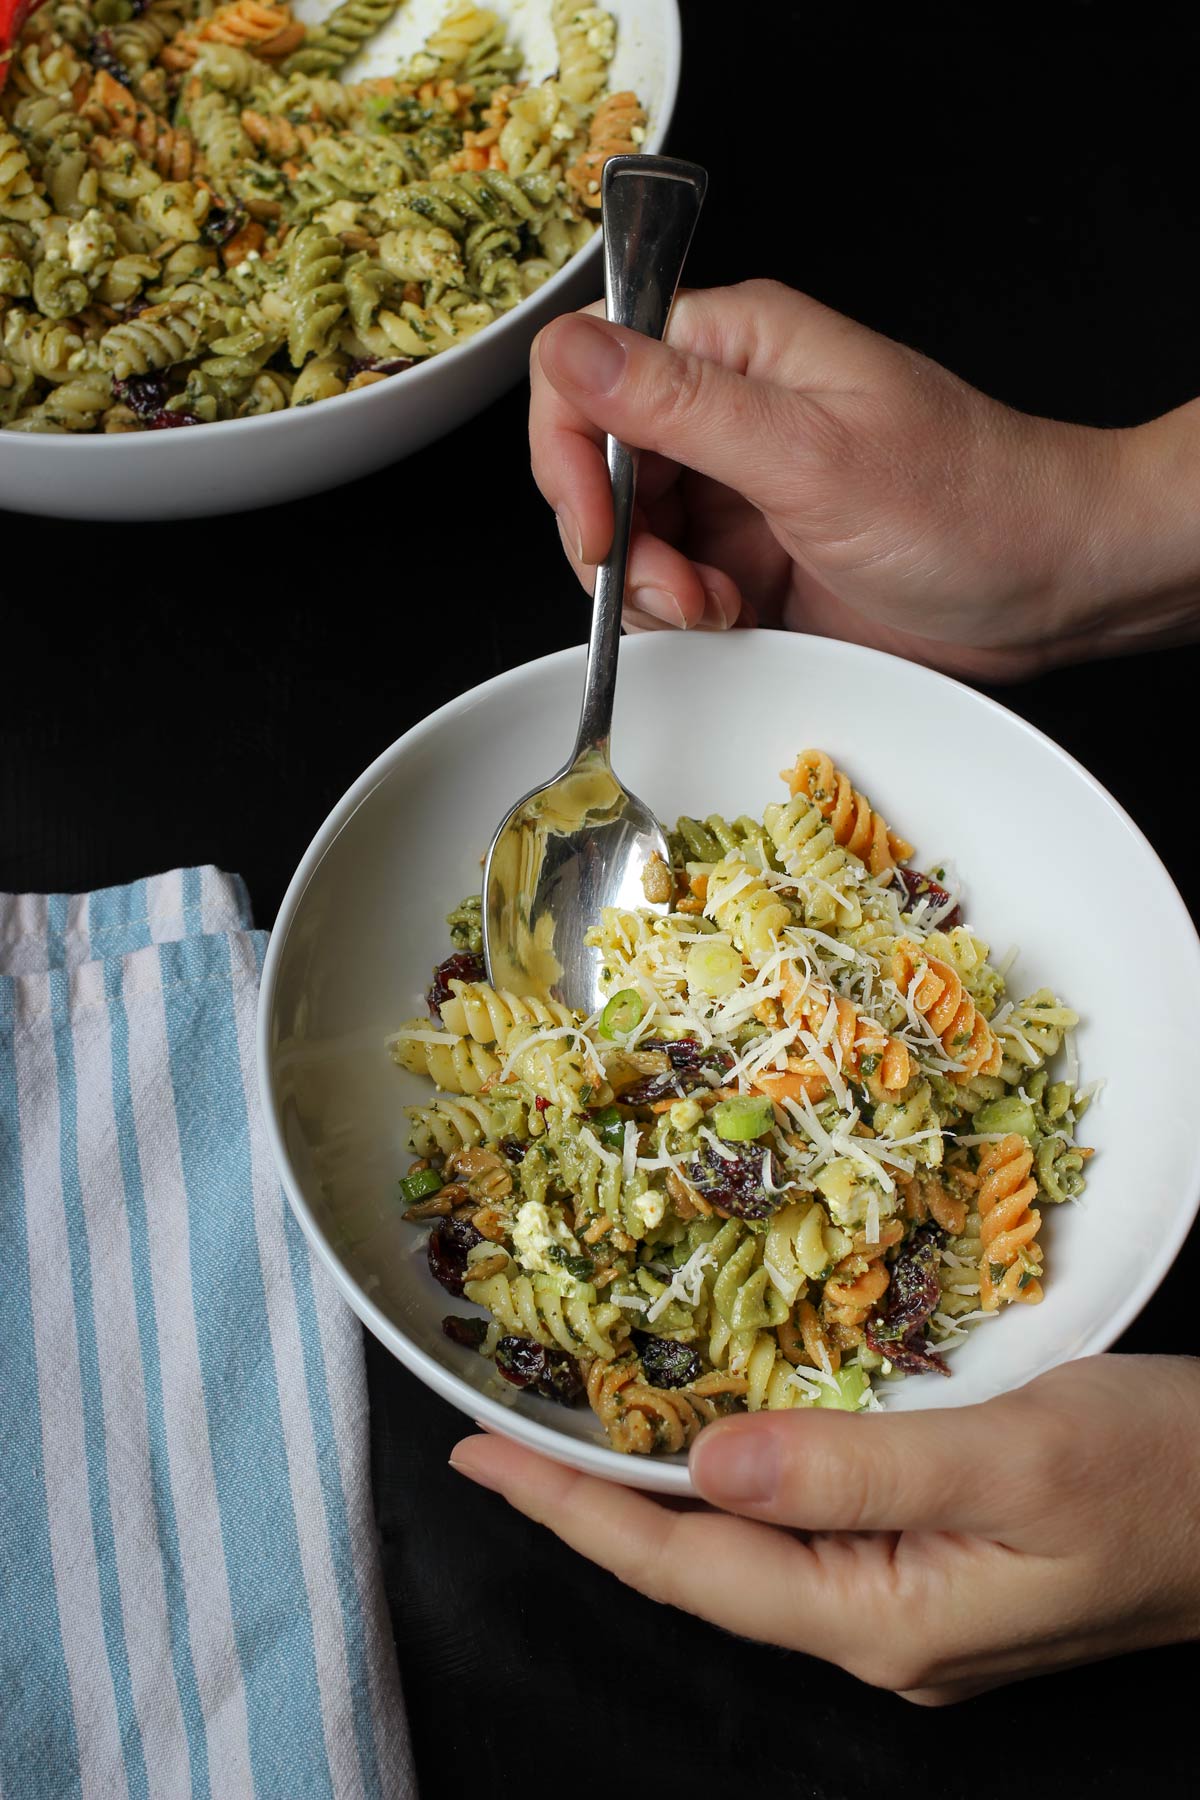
703 723
242 463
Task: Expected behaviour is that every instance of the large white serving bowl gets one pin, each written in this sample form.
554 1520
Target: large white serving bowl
703 723
243 463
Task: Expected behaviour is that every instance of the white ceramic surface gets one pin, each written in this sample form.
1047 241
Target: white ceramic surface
243 463
1050 862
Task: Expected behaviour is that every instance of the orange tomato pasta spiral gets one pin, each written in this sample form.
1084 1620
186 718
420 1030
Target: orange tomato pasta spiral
112 107
940 1195
803 1339
641 1419
856 824
806 1005
617 129
858 1284
940 996
268 31
1008 1224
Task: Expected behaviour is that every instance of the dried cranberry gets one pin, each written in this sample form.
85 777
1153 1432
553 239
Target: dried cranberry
449 1242
688 1054
734 1182
222 223
665 1363
144 395
913 1296
462 967
690 1064
468 1332
379 365
551 1373
102 54
542 1104
923 887
514 1149
654 1087
166 420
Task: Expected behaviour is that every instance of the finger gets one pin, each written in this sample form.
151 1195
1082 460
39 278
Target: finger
957 1469
567 459
755 436
663 587
745 1577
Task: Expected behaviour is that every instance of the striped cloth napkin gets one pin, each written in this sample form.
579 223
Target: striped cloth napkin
190 1596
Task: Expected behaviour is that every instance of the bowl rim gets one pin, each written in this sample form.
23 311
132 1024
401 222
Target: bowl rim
655 1474
576 266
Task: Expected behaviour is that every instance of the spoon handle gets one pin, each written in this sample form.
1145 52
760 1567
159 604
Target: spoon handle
650 207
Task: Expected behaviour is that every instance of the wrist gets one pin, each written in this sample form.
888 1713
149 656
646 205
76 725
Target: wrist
1126 572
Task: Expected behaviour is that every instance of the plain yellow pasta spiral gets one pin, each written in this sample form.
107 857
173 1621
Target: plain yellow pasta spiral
741 903
805 843
489 1014
457 1065
530 1307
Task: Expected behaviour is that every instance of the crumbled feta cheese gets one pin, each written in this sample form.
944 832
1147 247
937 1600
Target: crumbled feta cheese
534 1231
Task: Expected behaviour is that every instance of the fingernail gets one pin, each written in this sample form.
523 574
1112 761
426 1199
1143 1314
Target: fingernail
472 1474
736 1468
659 604
588 357
714 610
569 532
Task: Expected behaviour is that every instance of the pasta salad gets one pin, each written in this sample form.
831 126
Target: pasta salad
805 1144
200 220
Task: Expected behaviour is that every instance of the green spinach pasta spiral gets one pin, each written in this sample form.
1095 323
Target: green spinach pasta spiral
340 36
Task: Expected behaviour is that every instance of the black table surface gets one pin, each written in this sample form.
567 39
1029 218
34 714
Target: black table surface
1023 208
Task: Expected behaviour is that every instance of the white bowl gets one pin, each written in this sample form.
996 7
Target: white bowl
703 724
242 463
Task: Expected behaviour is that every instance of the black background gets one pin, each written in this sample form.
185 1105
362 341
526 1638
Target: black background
1019 202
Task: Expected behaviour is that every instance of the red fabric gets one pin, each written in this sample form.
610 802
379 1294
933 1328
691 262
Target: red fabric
13 14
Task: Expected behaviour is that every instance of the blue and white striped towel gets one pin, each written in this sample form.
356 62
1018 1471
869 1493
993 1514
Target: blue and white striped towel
190 1596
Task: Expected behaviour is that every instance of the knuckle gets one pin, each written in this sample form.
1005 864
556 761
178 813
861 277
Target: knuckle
684 389
897 1672
765 291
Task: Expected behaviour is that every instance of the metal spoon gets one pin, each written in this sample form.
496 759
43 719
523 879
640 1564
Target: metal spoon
581 842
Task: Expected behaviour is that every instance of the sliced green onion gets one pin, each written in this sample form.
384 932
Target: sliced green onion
1009 1114
610 1126
623 1014
743 1119
714 970
419 1185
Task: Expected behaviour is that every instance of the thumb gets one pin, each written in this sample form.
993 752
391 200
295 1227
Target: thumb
958 1469
751 435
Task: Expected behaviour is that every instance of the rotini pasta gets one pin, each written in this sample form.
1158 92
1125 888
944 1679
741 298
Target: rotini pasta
856 824
1010 1263
333 231
802 1147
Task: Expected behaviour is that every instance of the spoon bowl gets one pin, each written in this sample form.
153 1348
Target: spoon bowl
564 853
582 841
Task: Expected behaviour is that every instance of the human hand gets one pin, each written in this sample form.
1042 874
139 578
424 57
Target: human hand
934 1553
804 471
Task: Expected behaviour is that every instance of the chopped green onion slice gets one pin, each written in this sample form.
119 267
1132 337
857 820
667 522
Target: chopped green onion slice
743 1119
623 1014
419 1185
610 1126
